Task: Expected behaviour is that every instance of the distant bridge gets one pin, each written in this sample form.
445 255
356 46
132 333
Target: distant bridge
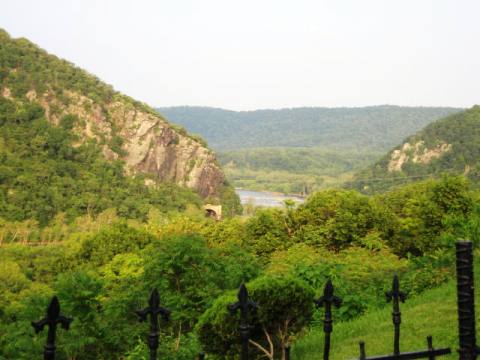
213 211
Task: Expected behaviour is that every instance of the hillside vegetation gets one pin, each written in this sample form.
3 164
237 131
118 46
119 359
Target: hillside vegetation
123 128
377 127
291 150
449 145
44 173
293 170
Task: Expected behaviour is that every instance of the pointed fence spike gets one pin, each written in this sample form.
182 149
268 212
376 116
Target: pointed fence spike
242 293
54 308
396 284
328 291
154 301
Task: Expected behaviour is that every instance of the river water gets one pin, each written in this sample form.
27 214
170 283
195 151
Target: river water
264 198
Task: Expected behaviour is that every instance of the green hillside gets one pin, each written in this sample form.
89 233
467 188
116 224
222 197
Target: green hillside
290 150
44 173
123 129
375 127
449 145
432 313
70 145
293 170
24 66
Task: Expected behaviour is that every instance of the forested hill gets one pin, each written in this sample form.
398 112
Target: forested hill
375 127
125 129
449 145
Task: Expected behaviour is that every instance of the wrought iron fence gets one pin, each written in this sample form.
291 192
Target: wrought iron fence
468 349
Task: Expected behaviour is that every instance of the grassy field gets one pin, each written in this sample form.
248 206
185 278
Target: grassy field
432 313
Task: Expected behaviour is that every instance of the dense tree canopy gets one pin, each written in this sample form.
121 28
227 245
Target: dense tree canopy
43 173
375 127
104 267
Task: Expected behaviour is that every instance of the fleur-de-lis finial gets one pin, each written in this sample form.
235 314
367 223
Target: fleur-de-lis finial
328 298
395 293
51 320
154 310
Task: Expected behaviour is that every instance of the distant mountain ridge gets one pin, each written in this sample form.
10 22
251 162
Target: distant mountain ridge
375 127
449 145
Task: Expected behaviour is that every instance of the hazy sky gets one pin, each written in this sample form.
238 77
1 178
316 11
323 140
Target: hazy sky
247 54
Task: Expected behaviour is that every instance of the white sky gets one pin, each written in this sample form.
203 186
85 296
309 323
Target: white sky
249 54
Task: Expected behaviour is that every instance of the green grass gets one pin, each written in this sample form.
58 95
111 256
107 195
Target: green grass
432 313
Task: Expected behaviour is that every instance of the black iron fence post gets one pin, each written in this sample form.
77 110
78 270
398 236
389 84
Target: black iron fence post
51 320
327 300
430 347
395 295
245 305
466 301
154 309
363 354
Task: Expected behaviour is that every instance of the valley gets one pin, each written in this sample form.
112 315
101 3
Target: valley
237 234
305 149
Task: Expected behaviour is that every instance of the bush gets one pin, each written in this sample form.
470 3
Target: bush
285 306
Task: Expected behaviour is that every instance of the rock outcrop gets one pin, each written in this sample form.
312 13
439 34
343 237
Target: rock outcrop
448 146
146 141
418 153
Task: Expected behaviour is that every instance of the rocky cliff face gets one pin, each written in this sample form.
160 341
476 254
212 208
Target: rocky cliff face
144 140
126 129
417 153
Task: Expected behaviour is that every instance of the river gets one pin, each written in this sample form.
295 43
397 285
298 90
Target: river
264 198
